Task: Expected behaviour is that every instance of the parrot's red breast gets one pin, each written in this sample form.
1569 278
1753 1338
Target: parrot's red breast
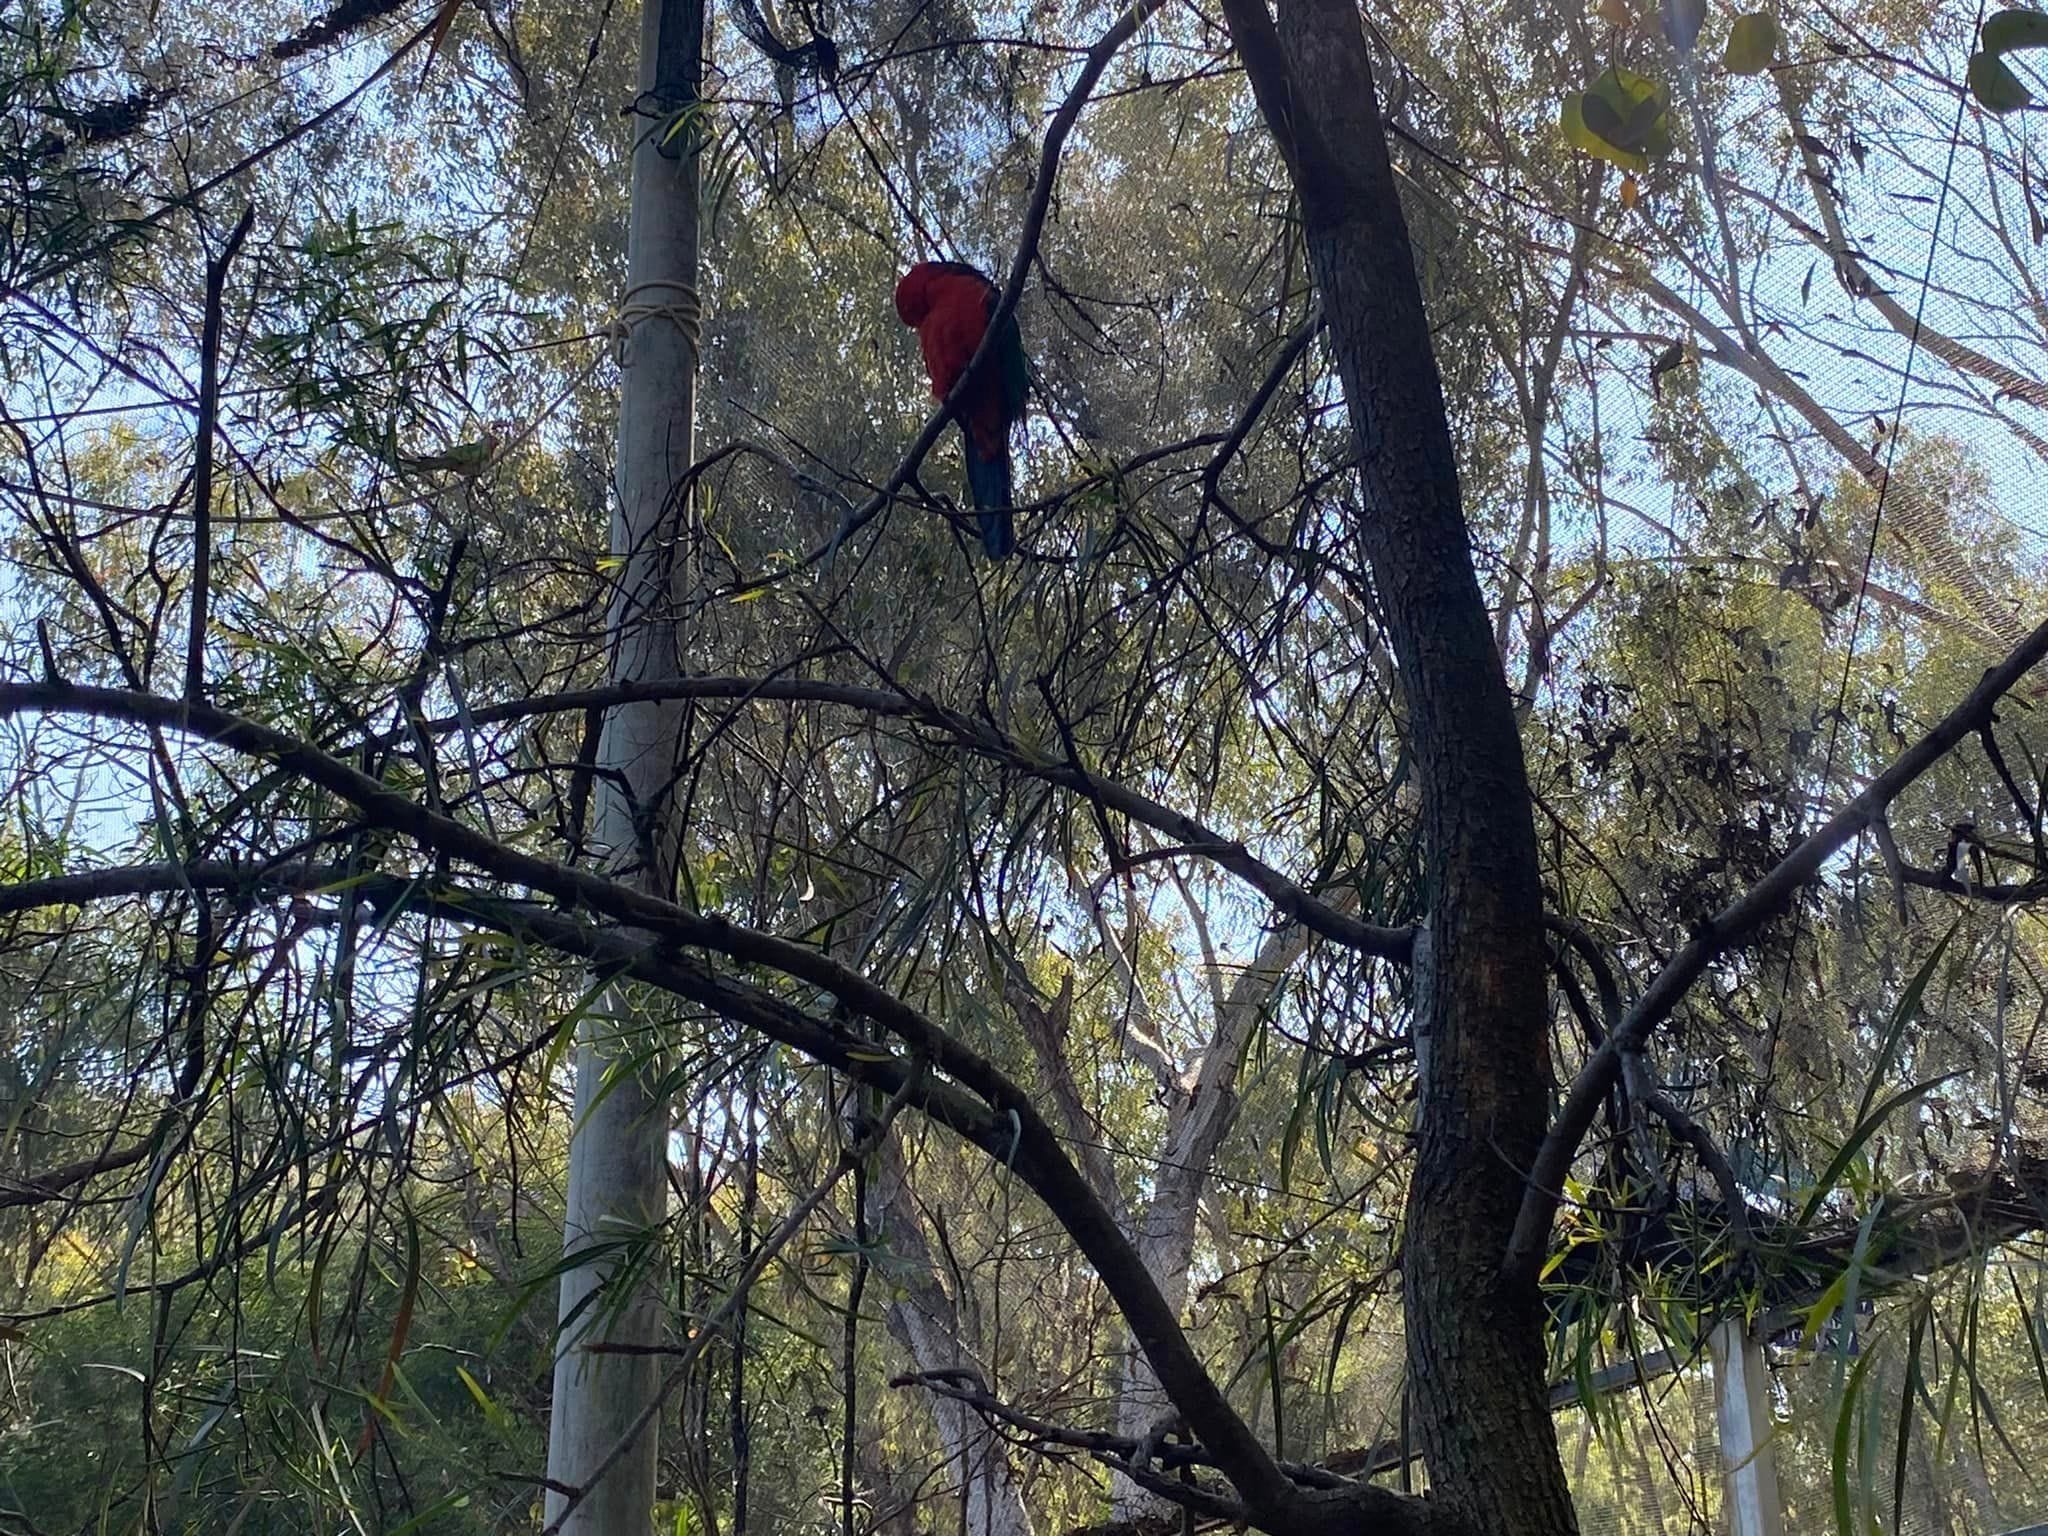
948 306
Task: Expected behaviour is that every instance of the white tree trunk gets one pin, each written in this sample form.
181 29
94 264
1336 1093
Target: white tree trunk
1201 1106
618 1189
926 1323
1201 1103
982 1474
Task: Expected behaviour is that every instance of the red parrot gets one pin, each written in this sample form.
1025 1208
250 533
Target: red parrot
949 304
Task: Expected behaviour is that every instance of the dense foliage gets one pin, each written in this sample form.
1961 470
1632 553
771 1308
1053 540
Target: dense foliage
1748 419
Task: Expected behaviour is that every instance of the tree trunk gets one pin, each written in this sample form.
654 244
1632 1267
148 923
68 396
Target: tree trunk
1199 1116
1474 1341
984 1481
927 1324
617 1163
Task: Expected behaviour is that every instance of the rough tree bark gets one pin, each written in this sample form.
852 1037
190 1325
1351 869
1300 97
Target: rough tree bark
1475 1353
618 1159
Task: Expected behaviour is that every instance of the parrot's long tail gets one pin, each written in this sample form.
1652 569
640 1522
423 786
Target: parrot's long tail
988 480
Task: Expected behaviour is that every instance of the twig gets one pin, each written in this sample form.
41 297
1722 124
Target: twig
1888 850
1124 1451
1010 1126
1191 837
1582 944
2030 809
1212 474
398 813
1056 133
202 470
1636 1073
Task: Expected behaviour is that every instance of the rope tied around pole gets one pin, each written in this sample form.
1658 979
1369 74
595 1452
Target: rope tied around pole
681 308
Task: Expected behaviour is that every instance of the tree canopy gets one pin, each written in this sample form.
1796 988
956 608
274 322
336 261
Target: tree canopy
1493 822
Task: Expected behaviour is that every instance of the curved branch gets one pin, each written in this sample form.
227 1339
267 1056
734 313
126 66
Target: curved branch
1582 944
986 1108
1009 1126
1734 928
1248 419
164 879
985 741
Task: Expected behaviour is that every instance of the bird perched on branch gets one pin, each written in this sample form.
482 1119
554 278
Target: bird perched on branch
949 304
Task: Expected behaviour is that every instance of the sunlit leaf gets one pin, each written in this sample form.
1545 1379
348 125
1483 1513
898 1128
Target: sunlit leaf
494 1413
1623 119
464 459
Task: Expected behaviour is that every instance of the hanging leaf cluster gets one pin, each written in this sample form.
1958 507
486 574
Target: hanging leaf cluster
1624 117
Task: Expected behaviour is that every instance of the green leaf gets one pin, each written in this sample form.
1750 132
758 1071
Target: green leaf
1279 1339
1336 1349
401 1329
1845 1518
565 1030
1996 88
1827 1306
1992 82
426 1517
494 1414
1862 1134
1752 44
1903 1015
1912 1382
1868 1119
2015 29
2033 1333
1623 119
1556 1261
1290 1136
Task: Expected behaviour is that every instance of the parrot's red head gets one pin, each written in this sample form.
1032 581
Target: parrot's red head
914 293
